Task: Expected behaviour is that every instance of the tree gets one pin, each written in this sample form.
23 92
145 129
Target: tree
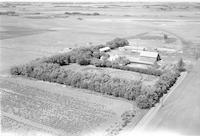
117 42
165 37
15 70
122 61
83 61
97 62
97 54
143 102
180 65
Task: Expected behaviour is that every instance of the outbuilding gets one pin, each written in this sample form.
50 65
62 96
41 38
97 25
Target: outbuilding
149 57
104 49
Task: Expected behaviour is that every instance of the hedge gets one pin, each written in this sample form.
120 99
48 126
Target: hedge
92 55
102 83
50 69
166 80
150 71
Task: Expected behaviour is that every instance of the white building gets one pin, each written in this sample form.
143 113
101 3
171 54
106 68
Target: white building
135 48
166 50
104 49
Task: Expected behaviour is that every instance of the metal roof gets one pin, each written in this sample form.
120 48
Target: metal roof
104 49
149 54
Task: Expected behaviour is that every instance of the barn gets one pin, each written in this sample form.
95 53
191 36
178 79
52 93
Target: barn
149 57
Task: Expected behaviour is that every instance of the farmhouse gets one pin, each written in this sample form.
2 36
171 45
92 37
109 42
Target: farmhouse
149 57
105 49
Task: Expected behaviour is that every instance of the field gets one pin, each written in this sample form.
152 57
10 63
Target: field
36 30
58 109
32 38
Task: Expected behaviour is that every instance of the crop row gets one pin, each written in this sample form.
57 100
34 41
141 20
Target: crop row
9 125
55 98
55 116
63 109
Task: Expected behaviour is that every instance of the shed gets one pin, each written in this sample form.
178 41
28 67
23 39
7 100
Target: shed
104 49
149 57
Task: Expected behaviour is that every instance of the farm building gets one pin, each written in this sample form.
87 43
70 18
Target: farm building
105 49
113 57
135 48
132 59
166 50
149 57
65 50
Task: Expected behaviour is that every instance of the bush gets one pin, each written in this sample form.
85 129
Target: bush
61 59
152 98
104 56
97 62
100 83
117 42
83 61
131 90
166 80
116 65
49 69
122 61
15 70
91 55
97 54
180 65
148 97
143 102
127 117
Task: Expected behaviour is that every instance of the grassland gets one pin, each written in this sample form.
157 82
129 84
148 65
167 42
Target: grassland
71 32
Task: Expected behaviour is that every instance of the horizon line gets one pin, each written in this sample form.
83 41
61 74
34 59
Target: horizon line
103 1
